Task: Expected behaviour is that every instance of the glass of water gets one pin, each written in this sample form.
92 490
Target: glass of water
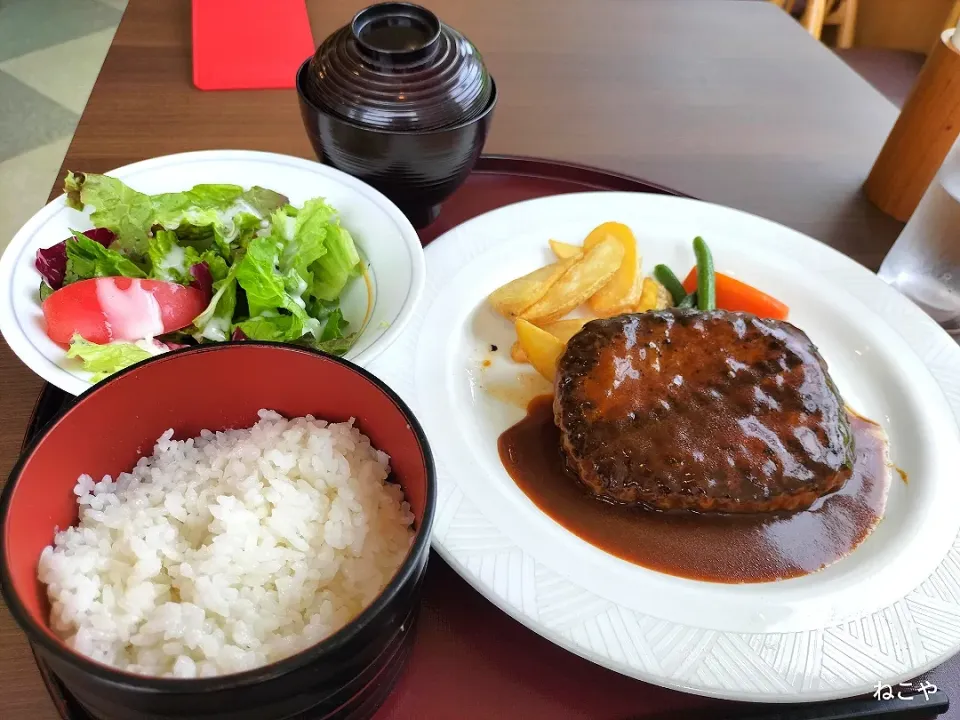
924 263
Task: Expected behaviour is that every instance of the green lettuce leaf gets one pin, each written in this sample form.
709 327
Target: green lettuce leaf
316 248
266 288
273 327
207 195
340 263
131 215
123 210
264 201
244 229
215 321
87 259
304 236
172 261
259 276
332 324
332 338
45 291
277 275
169 260
104 360
332 342
216 263
336 346
289 328
199 237
222 230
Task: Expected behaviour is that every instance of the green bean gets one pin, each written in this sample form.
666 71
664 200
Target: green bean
706 280
689 301
666 278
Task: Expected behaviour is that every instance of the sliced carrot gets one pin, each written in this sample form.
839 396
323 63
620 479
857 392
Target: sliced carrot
739 297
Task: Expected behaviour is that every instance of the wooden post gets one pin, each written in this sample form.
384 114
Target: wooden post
922 136
813 17
847 20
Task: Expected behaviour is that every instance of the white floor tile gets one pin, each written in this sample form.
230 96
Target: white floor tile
25 184
66 72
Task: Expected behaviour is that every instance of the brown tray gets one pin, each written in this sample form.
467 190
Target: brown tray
470 661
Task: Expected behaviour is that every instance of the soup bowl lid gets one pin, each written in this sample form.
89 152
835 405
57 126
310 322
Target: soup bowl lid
396 67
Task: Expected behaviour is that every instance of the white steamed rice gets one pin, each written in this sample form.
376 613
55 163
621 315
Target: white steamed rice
229 551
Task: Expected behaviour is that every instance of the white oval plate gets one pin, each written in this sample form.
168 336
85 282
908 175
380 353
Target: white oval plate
386 239
883 614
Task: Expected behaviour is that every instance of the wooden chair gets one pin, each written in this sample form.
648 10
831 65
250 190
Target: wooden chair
893 71
844 16
815 14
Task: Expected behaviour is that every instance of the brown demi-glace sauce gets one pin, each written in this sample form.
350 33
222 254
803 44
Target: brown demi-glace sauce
726 548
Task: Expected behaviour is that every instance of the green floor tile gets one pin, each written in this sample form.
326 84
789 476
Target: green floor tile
29 119
28 25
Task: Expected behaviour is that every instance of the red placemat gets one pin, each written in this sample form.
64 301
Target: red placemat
473 662
249 44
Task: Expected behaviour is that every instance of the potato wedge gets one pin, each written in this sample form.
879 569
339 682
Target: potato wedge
565 250
542 348
615 307
654 296
623 291
517 295
604 230
563 330
583 279
664 298
517 354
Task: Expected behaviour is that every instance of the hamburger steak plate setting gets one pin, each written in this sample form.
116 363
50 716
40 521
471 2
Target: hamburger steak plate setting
667 443
691 446
661 441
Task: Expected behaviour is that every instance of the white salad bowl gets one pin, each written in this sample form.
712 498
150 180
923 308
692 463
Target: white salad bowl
380 303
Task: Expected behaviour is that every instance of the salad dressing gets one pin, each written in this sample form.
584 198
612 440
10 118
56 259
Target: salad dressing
228 217
130 313
369 283
217 329
175 259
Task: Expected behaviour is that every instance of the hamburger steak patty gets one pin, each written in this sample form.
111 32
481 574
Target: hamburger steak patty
712 412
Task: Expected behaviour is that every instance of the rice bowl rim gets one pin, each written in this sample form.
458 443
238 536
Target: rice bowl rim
270 671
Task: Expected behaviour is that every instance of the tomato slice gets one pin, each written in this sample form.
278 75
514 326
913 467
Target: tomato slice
120 308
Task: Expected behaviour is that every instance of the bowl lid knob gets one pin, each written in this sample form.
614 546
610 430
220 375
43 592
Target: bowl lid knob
396 32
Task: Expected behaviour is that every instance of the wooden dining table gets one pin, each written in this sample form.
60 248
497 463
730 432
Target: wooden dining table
728 101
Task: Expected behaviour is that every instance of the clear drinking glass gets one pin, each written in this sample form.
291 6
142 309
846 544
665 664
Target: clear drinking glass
924 263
